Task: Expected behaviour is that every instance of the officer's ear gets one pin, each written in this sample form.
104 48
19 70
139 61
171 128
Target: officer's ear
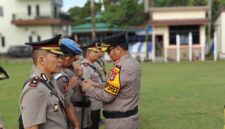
39 56
41 59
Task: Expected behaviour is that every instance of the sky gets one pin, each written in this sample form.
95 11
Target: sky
67 4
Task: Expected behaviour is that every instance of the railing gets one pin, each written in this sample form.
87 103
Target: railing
24 16
40 16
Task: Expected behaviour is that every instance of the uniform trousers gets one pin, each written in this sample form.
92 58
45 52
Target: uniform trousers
95 119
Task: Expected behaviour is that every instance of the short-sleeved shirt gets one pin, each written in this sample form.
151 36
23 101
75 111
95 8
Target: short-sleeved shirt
39 106
73 94
90 72
1 124
122 89
62 80
100 65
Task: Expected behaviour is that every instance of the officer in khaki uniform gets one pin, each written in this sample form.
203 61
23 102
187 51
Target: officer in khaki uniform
73 93
1 124
3 76
100 64
66 79
90 72
120 94
41 103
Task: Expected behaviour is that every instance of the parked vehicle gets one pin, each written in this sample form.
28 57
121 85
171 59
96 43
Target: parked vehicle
20 51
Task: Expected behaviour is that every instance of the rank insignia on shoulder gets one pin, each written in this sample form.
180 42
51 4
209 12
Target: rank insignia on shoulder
34 82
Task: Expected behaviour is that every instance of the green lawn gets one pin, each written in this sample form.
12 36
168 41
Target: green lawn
173 96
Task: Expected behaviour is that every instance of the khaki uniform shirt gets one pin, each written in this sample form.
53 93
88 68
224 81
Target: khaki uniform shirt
92 74
62 80
121 92
1 124
39 106
74 94
100 65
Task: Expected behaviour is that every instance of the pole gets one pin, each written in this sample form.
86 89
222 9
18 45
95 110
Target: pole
178 47
93 32
215 47
190 46
209 23
153 45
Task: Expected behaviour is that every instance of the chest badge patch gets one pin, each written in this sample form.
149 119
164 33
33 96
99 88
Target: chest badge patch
113 82
56 108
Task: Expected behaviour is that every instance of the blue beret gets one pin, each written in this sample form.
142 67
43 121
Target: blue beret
69 46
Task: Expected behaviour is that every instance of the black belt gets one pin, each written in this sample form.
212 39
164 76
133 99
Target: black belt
114 115
81 104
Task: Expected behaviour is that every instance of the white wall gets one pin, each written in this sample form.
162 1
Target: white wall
220 30
179 15
18 35
223 32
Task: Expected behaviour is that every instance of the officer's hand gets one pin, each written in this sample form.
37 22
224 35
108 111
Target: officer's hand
84 86
77 125
73 81
77 69
92 83
79 72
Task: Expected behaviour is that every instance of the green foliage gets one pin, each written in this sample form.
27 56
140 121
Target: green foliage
80 13
125 13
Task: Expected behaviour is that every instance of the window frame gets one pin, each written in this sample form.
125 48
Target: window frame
183 31
1 11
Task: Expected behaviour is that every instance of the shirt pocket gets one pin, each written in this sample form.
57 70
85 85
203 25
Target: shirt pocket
54 106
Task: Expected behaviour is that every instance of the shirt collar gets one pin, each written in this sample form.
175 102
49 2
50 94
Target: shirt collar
122 58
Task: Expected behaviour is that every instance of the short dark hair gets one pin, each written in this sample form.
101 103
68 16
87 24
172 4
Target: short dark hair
37 53
124 46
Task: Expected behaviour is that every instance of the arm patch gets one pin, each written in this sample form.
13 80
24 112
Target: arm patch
113 82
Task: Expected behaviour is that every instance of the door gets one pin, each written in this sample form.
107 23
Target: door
159 45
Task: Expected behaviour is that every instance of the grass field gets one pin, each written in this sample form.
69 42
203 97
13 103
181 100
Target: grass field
173 96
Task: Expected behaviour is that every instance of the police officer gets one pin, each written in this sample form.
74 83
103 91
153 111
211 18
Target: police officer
3 76
74 94
41 103
100 64
66 79
92 73
120 94
1 124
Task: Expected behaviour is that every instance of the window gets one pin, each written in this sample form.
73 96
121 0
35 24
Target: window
30 39
3 41
29 10
37 10
1 11
55 11
38 38
184 31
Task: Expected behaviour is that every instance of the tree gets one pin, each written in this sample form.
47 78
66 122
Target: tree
80 13
125 13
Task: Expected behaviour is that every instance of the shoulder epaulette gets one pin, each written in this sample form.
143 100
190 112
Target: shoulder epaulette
34 81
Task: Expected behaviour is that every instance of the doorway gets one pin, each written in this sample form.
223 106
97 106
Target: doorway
159 45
